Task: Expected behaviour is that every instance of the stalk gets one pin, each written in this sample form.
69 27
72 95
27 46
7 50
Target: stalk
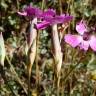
37 67
17 4
42 6
57 54
60 6
31 49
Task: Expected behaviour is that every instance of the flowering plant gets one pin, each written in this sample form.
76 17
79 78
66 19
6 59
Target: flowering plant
30 12
49 17
84 39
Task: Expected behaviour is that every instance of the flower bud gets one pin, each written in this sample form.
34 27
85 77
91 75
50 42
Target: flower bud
2 50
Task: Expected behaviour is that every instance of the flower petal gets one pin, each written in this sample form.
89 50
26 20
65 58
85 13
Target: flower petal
81 27
66 18
84 45
42 25
49 12
73 40
38 12
22 13
48 15
93 43
59 19
31 11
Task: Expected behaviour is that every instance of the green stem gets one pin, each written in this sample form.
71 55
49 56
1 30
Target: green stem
58 85
42 6
17 4
60 6
68 6
29 74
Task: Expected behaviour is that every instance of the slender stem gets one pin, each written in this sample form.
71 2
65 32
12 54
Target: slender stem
31 50
17 4
68 6
60 6
84 7
29 76
42 6
37 67
58 82
65 78
16 75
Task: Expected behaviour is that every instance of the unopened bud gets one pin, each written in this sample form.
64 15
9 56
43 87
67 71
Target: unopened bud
2 50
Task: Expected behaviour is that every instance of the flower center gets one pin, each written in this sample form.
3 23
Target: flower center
86 36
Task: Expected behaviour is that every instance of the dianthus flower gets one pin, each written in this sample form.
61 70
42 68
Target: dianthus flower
84 39
31 12
49 17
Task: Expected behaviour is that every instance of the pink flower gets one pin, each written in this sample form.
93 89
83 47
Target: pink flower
49 18
81 27
48 13
84 40
42 25
31 11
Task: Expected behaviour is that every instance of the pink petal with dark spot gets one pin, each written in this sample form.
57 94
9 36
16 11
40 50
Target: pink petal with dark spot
84 45
73 40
